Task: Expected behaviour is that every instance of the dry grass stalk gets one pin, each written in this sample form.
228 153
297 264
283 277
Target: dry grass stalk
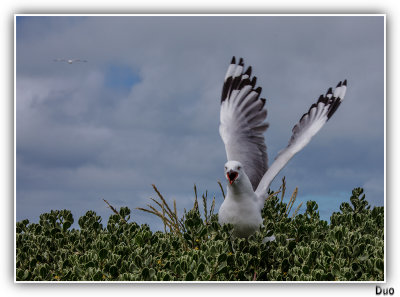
161 215
114 210
168 209
176 216
273 194
205 207
165 224
283 187
212 207
291 201
297 209
169 217
222 189
196 203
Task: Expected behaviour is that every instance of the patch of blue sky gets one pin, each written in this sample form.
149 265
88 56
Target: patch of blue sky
121 77
327 204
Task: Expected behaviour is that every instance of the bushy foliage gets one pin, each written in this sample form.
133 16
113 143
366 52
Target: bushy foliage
350 248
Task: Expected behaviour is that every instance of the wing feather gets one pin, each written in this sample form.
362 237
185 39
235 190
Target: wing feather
242 123
310 123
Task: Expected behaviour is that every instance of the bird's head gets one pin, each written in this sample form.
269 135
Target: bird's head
233 171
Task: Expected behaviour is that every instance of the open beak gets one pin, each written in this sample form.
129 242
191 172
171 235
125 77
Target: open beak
232 176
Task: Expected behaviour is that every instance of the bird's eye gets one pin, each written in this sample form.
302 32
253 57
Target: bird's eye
226 168
239 167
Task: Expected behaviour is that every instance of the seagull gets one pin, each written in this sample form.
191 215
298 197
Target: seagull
242 124
70 61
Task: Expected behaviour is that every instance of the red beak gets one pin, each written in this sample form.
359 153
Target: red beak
231 175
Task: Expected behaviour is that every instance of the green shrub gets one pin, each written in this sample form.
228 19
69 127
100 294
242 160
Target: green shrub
196 248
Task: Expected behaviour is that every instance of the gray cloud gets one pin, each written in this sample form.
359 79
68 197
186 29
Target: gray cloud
80 139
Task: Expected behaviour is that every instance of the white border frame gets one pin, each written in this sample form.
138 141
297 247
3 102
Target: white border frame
205 282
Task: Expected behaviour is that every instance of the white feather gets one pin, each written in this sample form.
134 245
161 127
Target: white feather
242 124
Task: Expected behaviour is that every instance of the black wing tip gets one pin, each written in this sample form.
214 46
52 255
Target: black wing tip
254 81
329 92
241 62
302 117
311 107
339 84
233 61
345 82
248 71
263 102
243 83
258 90
225 89
333 108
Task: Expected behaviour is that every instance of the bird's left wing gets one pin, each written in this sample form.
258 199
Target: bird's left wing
309 124
242 123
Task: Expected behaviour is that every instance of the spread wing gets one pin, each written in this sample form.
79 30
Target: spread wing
242 121
309 124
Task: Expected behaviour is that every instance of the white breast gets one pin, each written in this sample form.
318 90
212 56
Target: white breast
242 212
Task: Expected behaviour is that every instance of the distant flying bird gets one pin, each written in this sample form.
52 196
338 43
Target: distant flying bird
69 61
241 128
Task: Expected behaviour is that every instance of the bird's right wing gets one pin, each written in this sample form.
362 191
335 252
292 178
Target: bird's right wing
242 123
309 124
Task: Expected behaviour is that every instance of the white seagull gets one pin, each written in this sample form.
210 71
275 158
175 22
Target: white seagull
70 61
242 124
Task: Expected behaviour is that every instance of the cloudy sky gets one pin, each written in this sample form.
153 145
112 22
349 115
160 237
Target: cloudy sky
144 109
